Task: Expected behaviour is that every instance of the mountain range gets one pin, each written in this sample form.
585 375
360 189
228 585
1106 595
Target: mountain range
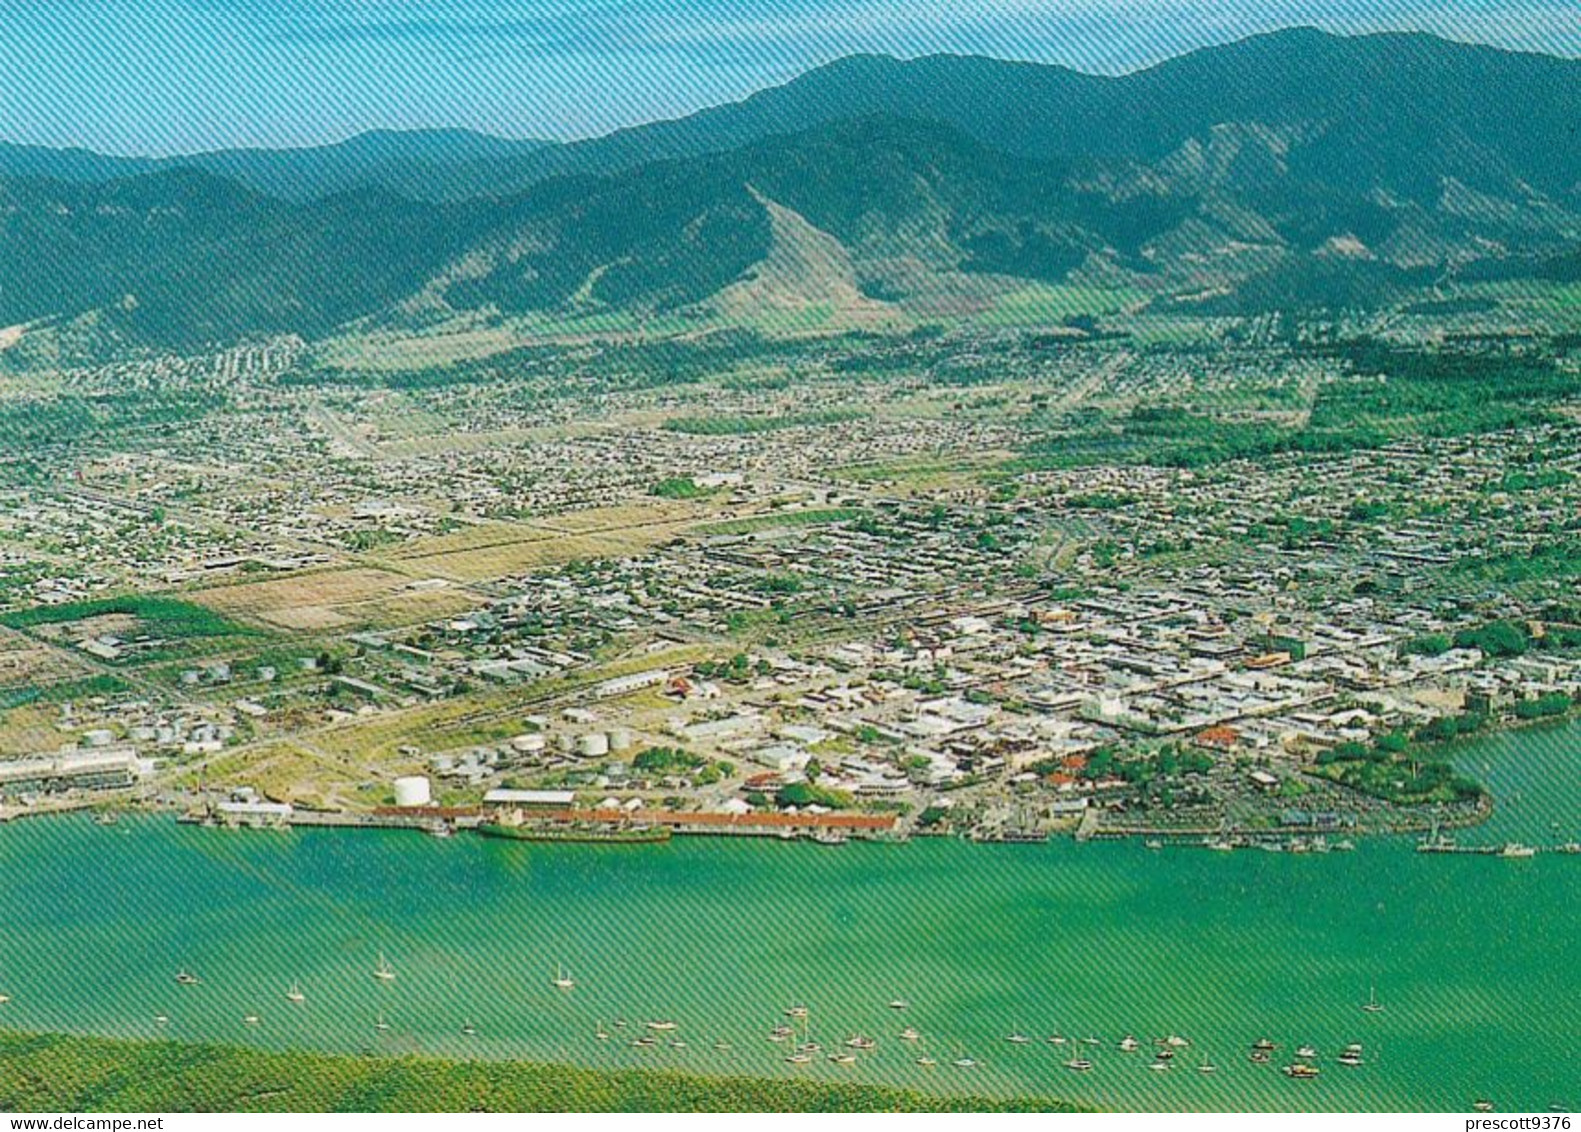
1293 170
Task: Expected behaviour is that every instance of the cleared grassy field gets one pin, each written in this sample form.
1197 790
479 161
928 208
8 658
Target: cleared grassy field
56 1073
529 554
332 599
288 772
775 520
625 516
25 662
1044 304
496 550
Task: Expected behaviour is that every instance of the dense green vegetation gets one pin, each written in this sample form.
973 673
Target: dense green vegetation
677 487
675 761
811 794
1497 638
55 1073
1389 768
1548 706
1428 644
1388 394
158 616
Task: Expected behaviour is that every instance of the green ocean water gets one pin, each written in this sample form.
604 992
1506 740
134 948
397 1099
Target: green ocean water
1475 958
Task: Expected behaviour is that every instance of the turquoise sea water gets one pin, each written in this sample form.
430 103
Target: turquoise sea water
1476 958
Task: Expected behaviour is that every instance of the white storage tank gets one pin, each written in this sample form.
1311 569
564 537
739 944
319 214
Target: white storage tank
620 739
529 744
412 790
593 745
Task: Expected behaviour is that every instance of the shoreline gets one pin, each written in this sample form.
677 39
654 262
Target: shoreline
1294 840
595 826
125 1075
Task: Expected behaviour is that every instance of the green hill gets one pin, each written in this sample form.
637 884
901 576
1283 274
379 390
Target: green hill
1292 171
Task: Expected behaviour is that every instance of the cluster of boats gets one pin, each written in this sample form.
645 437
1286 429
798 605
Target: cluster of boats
804 1049
795 1032
1303 1067
1437 841
1225 844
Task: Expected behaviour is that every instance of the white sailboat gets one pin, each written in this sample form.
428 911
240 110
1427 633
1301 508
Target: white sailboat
802 1053
563 979
1372 1005
383 972
295 994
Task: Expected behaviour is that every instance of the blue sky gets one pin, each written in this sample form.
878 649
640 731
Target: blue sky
163 76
